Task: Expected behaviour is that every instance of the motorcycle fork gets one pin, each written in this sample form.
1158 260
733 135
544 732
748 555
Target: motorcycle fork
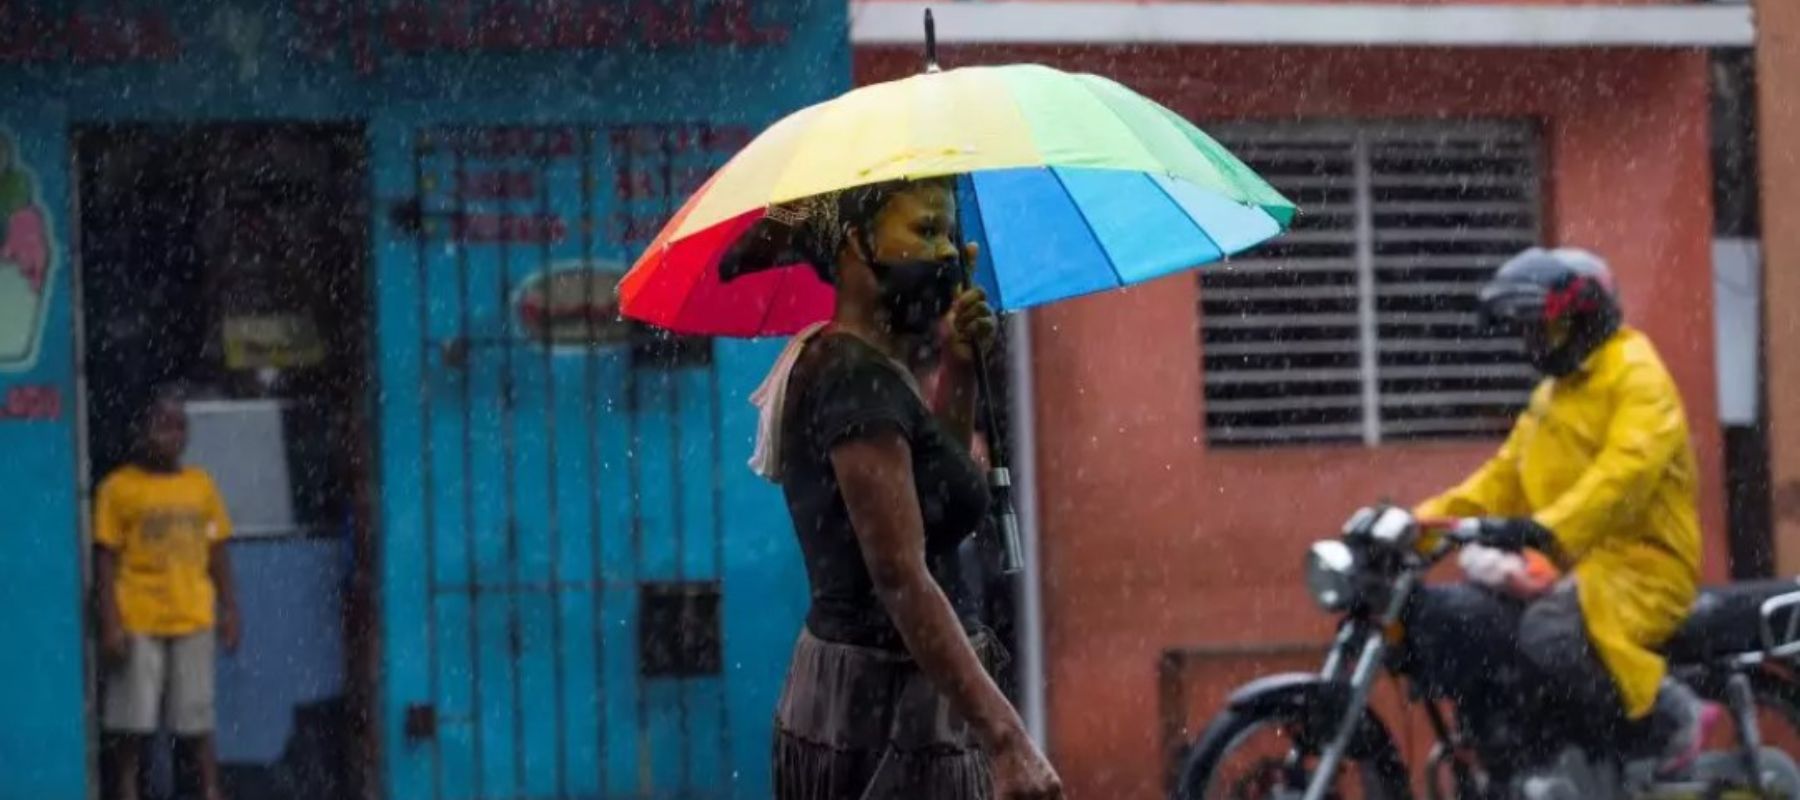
1293 768
1362 680
1743 714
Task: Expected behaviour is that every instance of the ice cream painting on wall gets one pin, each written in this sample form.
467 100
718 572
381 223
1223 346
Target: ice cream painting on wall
27 257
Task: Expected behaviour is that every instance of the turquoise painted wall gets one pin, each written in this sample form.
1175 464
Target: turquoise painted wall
44 738
367 62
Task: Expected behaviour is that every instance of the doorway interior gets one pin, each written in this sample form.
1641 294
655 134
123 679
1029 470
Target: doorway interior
231 260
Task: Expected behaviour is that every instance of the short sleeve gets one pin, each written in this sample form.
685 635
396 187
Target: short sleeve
857 396
109 523
218 522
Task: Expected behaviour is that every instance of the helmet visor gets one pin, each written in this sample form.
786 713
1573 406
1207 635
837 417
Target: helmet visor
1513 306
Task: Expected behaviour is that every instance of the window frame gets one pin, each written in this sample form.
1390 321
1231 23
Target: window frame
1363 137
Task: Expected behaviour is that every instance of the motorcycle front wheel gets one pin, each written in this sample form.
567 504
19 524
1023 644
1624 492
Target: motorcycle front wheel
1777 697
1269 756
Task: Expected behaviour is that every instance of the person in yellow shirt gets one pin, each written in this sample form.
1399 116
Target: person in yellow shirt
1598 474
164 587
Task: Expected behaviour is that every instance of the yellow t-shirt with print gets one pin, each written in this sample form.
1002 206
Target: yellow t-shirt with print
163 527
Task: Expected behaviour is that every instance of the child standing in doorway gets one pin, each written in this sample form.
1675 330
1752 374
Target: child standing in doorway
165 598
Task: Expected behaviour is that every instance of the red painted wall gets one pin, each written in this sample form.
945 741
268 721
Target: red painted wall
1153 541
1778 112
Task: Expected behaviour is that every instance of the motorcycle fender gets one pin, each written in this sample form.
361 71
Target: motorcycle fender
1293 689
1322 704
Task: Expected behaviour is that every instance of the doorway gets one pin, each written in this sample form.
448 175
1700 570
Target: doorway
230 260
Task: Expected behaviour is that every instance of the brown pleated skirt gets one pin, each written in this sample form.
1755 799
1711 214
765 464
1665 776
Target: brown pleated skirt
860 723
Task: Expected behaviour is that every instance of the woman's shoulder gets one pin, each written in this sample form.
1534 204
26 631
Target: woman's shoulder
834 354
839 345
842 374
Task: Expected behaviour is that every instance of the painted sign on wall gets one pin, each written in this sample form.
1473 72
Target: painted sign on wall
27 256
571 304
48 32
28 260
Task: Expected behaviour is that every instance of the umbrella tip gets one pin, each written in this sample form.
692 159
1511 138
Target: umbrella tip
931 62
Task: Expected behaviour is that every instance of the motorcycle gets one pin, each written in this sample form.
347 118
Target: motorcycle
1739 648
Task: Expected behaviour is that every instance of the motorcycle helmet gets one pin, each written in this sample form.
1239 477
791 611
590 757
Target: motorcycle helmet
1561 302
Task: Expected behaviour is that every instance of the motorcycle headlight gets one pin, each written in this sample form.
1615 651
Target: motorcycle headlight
1330 575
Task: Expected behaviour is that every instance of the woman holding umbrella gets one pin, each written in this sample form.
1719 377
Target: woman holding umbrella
835 224
889 693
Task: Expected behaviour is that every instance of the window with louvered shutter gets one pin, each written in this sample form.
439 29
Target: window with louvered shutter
1359 324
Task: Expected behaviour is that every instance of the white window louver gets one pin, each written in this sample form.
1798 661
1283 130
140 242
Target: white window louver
1359 324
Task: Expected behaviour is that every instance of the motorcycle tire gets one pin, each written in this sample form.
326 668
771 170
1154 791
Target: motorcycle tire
1231 729
1777 695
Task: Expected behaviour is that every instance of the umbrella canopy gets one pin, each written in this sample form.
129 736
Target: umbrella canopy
1071 183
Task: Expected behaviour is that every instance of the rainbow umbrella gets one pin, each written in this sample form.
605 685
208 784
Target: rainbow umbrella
1071 183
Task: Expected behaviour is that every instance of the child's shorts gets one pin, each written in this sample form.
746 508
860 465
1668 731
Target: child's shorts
162 679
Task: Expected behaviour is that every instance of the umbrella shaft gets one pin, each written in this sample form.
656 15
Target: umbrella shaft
999 478
985 387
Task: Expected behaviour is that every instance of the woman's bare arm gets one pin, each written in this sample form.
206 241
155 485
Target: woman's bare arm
875 476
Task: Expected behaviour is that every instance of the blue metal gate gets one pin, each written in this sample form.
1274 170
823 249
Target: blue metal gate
570 492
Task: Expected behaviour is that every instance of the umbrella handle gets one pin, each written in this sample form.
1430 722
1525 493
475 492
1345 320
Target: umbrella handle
999 477
983 383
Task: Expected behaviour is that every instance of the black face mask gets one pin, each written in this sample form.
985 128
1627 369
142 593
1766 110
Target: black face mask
916 294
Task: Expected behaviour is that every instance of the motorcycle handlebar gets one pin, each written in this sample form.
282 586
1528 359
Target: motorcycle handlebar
1460 531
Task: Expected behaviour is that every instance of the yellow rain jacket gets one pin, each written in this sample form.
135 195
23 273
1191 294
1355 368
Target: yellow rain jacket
1601 457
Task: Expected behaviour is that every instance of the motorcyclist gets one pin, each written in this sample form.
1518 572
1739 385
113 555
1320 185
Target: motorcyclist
1598 474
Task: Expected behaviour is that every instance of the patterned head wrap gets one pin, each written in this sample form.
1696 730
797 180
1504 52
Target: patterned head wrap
811 230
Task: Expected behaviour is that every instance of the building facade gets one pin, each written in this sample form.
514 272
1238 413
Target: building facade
1193 435
491 543
515 537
